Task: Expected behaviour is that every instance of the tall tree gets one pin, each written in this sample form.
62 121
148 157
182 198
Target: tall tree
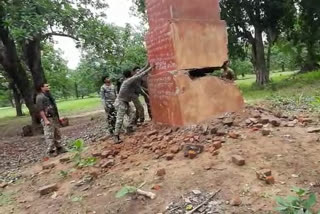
24 24
307 33
252 21
13 67
117 49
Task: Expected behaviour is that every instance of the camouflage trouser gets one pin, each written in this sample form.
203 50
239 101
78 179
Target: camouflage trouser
139 110
52 134
110 117
145 95
122 109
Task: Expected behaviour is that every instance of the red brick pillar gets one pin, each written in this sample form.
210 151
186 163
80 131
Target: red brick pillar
187 35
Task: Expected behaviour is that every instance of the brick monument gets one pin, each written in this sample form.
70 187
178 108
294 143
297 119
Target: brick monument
187 35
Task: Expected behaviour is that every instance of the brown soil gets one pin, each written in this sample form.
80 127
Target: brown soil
290 152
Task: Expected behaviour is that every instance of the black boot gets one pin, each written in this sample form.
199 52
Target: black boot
116 139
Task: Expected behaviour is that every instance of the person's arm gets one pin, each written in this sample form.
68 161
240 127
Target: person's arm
141 74
39 102
44 117
102 95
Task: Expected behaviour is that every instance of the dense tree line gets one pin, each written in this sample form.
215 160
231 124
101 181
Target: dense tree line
27 56
273 34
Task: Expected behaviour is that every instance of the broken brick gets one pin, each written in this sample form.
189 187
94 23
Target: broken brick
270 180
262 174
266 132
96 154
156 187
238 160
175 149
256 114
151 133
146 146
161 172
236 201
305 120
3 184
275 122
215 153
313 130
107 163
48 189
254 120
64 160
259 125
292 123
248 121
217 145
106 153
94 174
264 120
48 166
221 132
213 130
234 135
228 121
124 156
168 131
169 157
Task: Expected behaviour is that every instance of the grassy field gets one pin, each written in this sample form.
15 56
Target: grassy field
287 84
66 108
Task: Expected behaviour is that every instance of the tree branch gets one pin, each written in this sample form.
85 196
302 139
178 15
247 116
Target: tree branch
59 34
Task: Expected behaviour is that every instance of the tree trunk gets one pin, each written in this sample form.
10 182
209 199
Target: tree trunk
12 66
269 57
76 90
311 63
17 99
32 56
11 99
262 74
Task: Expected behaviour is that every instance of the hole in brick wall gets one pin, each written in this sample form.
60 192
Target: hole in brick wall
201 72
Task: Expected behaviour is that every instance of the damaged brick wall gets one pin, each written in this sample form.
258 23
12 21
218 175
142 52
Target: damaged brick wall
185 36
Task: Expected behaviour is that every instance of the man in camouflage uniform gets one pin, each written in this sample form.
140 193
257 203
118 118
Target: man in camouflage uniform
108 97
49 120
145 93
137 104
126 95
228 73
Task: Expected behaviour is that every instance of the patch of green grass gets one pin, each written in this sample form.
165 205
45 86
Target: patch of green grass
68 107
6 198
71 107
288 84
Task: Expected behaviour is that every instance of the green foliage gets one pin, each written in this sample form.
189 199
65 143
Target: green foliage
111 50
306 32
63 174
57 72
6 198
78 147
76 198
244 15
125 190
301 203
90 161
139 9
242 67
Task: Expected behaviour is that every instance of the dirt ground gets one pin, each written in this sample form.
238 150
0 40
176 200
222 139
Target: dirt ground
290 152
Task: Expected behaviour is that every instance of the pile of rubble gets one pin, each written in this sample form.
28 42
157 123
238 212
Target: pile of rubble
166 142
